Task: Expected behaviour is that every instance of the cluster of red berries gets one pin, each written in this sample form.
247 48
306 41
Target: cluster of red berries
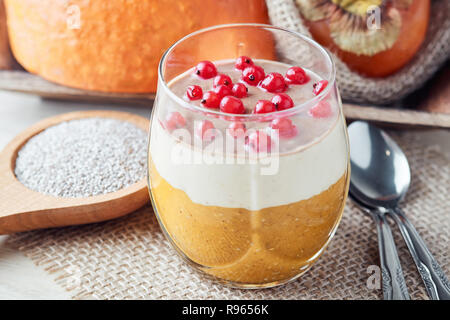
258 140
226 96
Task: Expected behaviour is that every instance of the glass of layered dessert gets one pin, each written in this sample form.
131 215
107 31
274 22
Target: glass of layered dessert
248 153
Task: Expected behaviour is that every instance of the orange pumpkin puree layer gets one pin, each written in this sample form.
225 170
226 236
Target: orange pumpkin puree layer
249 247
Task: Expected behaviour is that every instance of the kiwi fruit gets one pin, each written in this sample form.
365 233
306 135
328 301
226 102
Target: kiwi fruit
350 22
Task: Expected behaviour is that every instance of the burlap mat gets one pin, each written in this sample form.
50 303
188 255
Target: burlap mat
129 257
433 53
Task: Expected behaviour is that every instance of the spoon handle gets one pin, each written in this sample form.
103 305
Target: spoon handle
394 285
436 283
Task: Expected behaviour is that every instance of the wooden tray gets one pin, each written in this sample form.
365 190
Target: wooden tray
22 81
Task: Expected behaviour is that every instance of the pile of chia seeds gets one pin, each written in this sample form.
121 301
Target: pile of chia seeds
83 158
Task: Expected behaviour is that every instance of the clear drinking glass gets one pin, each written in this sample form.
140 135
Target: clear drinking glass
250 212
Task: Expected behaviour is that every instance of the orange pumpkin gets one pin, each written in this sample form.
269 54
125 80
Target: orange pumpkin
115 45
414 23
6 59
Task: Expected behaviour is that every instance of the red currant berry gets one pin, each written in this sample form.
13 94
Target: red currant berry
321 110
282 101
174 120
239 90
222 79
205 70
236 130
273 82
264 106
284 126
210 100
231 104
243 62
319 86
259 141
194 92
296 75
253 75
222 91
205 130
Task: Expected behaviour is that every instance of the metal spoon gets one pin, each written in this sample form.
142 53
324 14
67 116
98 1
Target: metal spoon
379 180
394 285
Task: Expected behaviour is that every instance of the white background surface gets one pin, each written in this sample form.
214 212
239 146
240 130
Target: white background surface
19 277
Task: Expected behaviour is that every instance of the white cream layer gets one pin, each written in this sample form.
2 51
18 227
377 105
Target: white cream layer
300 176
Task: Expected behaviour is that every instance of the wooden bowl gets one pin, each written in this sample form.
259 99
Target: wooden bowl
22 209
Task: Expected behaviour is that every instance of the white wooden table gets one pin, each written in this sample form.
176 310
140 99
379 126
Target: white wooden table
19 277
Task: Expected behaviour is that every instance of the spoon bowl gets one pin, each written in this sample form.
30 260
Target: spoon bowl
22 209
380 170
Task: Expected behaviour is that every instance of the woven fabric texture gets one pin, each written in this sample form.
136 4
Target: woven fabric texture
129 258
354 87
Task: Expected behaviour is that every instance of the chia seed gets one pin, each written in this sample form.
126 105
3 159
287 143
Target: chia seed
83 158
